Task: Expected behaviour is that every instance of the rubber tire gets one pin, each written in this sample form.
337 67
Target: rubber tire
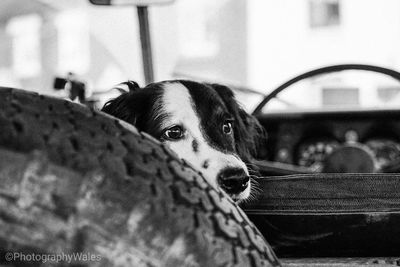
76 180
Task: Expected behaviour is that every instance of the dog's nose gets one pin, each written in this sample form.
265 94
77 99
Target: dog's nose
233 180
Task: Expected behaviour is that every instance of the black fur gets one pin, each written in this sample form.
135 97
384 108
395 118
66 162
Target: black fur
140 108
195 146
212 113
249 134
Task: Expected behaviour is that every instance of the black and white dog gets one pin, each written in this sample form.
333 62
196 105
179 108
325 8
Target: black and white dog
201 122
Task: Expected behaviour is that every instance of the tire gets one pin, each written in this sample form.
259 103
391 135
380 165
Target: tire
74 180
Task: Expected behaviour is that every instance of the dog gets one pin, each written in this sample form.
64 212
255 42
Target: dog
202 123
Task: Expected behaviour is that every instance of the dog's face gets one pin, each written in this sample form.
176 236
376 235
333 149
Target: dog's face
202 123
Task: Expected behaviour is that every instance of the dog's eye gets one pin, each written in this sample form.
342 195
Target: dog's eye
227 127
173 133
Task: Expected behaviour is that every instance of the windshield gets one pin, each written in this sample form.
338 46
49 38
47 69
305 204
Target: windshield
254 46
345 90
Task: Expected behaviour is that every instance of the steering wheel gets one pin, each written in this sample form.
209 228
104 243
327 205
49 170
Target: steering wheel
339 158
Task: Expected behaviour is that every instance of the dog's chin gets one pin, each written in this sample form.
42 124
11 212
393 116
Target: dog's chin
242 196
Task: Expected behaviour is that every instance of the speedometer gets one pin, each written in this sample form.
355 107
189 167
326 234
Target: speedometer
384 150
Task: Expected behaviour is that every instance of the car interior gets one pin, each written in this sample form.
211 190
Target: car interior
321 76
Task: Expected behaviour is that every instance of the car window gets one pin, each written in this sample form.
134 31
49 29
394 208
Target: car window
256 45
345 90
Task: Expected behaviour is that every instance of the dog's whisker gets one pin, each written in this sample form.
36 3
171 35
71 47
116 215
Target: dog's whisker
255 177
251 165
256 191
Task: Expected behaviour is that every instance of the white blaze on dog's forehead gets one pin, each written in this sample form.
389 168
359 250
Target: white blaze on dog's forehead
178 103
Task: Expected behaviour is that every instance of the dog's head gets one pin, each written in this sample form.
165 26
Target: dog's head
201 122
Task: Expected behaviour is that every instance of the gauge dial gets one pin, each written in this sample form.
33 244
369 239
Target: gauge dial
384 150
312 153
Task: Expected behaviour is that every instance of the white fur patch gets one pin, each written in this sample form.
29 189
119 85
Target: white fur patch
177 102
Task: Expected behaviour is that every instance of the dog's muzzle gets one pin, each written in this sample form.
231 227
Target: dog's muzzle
233 180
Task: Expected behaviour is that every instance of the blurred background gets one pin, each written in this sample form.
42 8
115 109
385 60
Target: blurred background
253 45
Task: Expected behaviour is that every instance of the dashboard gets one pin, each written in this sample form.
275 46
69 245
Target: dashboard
340 141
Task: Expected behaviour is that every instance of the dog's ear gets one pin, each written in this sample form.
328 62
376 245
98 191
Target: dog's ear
124 107
121 108
137 107
249 134
128 86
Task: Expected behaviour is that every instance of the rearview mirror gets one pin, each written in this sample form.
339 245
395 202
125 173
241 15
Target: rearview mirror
129 2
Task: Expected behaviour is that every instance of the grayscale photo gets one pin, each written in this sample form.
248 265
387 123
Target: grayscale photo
199 133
